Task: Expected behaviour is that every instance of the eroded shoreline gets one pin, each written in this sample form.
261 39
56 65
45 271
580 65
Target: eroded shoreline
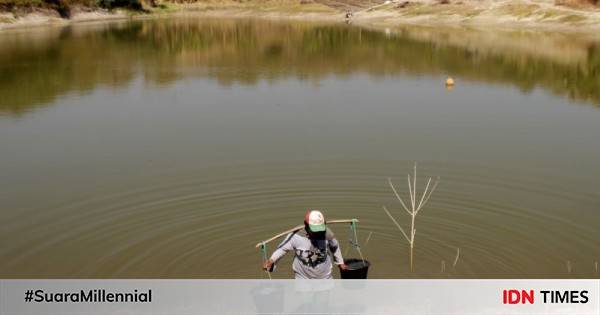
510 15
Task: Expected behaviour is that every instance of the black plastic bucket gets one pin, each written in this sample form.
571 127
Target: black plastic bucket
357 269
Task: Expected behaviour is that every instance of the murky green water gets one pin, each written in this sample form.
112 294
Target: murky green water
168 148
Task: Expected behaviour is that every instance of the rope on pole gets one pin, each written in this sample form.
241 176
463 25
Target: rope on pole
263 249
354 238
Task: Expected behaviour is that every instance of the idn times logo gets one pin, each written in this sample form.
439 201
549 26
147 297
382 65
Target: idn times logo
513 296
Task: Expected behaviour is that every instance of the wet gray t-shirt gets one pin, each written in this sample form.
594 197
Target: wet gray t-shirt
311 259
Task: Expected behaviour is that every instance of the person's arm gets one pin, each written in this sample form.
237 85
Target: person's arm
285 246
334 247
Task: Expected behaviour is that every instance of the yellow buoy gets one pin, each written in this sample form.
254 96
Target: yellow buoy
449 81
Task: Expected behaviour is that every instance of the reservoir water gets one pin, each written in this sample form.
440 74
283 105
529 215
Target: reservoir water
167 148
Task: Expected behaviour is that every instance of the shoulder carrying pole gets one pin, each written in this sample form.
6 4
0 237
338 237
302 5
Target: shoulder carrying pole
300 227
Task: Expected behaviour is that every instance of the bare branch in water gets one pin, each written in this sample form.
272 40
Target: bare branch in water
437 181
414 193
457 256
424 193
398 196
414 209
410 193
396 223
368 238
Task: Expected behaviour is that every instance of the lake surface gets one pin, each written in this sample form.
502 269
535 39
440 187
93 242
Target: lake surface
167 148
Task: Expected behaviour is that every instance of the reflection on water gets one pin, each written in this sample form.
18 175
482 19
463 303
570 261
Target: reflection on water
168 148
58 61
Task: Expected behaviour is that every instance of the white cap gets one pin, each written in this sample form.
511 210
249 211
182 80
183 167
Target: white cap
315 220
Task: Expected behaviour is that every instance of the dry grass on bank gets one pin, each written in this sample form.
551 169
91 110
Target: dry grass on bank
563 14
580 4
65 7
258 6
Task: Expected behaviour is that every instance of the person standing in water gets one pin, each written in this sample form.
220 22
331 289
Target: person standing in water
310 247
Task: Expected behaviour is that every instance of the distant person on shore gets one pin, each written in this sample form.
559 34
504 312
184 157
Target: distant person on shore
349 15
311 258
